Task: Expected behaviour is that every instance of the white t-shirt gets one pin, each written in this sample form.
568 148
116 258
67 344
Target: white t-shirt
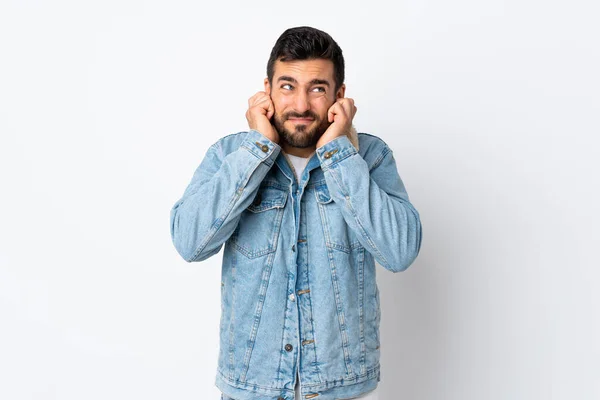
299 164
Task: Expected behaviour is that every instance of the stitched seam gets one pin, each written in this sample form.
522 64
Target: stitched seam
379 159
232 319
361 317
330 165
343 382
312 320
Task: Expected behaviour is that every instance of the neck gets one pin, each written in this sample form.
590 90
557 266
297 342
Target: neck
297 151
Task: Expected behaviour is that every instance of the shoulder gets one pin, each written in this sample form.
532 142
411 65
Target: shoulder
372 148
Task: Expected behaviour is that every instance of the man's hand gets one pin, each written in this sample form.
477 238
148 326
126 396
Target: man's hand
340 114
260 111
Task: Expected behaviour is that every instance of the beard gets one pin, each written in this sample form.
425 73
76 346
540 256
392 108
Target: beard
301 136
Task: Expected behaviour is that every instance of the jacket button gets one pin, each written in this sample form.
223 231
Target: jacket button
294 247
327 155
264 148
280 398
288 347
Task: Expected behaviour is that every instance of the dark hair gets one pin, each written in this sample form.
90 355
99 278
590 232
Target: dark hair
306 43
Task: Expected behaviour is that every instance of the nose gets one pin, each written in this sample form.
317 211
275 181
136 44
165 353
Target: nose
301 103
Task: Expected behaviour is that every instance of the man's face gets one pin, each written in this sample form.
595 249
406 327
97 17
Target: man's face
302 92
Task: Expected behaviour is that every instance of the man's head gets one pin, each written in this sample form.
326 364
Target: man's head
306 43
305 76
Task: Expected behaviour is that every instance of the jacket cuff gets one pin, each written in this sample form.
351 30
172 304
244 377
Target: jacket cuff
334 151
262 147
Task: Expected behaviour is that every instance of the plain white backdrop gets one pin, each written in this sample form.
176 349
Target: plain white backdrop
491 108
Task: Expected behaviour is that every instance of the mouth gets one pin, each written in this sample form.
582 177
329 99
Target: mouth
300 120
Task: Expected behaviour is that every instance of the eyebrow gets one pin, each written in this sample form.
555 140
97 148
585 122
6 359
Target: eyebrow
313 82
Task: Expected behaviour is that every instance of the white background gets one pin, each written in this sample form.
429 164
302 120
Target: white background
491 108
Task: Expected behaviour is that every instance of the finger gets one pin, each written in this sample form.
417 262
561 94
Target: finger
256 98
343 111
252 100
331 113
265 104
347 106
335 109
261 103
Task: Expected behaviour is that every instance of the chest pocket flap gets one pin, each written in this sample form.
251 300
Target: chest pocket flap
268 198
322 194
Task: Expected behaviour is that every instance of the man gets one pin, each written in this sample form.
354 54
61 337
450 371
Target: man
304 206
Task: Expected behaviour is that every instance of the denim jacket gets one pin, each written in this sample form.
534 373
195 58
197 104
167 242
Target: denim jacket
298 288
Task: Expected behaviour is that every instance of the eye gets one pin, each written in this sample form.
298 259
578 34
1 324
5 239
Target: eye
286 86
318 89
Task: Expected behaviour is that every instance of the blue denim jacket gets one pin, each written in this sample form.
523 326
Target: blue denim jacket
298 290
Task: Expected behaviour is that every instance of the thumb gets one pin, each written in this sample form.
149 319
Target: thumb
270 110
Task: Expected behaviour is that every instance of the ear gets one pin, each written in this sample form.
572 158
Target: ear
267 86
341 92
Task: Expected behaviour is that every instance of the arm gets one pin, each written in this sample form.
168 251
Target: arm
223 186
373 201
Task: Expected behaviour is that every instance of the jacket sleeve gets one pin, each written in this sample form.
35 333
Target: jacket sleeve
373 202
222 186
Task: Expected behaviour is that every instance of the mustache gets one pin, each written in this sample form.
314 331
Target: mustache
306 114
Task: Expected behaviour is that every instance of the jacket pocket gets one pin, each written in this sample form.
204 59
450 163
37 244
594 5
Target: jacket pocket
377 316
258 229
338 235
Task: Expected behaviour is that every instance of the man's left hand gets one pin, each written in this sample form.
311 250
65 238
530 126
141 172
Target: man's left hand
340 114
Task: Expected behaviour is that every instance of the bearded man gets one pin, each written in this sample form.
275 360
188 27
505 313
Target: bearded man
304 206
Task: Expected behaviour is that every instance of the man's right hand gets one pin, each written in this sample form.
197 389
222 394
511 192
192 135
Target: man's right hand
260 111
